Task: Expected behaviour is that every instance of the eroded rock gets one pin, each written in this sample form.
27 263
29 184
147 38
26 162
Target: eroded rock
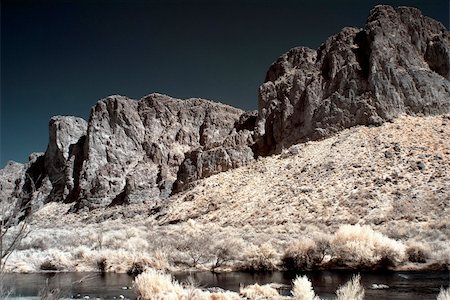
397 64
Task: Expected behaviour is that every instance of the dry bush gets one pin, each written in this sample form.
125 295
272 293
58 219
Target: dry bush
304 254
153 285
417 253
302 289
48 266
361 245
224 249
260 258
444 294
192 244
256 291
352 290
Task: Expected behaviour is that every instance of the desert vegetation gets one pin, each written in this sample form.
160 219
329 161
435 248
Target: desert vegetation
127 248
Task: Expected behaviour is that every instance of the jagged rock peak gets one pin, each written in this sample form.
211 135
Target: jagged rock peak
397 64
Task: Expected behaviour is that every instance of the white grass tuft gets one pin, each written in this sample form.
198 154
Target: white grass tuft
352 290
154 285
256 291
302 289
444 294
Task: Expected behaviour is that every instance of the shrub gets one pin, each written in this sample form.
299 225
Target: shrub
444 294
193 244
48 265
153 284
256 291
304 254
302 289
102 265
366 247
136 268
352 290
223 250
260 258
417 253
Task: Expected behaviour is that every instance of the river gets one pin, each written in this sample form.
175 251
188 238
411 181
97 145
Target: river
402 285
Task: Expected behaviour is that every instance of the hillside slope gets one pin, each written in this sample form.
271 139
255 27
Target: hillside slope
394 178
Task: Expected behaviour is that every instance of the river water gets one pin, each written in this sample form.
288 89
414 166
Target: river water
402 285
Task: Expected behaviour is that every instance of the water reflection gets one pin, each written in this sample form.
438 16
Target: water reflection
415 285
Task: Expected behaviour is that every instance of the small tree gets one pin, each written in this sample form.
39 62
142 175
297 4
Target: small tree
15 216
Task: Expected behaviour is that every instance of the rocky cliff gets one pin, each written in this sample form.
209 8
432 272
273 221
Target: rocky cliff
131 151
397 64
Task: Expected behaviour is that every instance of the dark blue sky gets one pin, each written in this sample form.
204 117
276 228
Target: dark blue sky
60 57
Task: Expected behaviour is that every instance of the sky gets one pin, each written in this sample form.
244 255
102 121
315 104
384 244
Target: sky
61 57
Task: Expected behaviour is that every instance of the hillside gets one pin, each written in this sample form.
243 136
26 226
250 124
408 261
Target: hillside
394 178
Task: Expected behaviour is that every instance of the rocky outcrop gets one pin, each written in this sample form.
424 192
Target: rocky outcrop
135 148
23 186
233 152
64 155
131 151
397 64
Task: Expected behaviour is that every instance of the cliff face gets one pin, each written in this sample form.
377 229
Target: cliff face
397 64
134 148
131 151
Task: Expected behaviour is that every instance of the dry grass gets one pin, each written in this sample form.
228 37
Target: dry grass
444 294
302 289
352 290
256 291
153 285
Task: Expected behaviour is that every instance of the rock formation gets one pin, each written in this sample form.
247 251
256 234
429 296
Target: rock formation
131 151
233 152
134 148
64 155
397 64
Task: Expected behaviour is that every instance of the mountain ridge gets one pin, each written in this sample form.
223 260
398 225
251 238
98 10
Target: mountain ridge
132 151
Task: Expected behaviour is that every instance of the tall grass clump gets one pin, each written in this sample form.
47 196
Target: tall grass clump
302 289
361 245
154 285
256 291
444 294
352 290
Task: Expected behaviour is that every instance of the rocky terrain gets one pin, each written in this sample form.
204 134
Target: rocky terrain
394 178
354 132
